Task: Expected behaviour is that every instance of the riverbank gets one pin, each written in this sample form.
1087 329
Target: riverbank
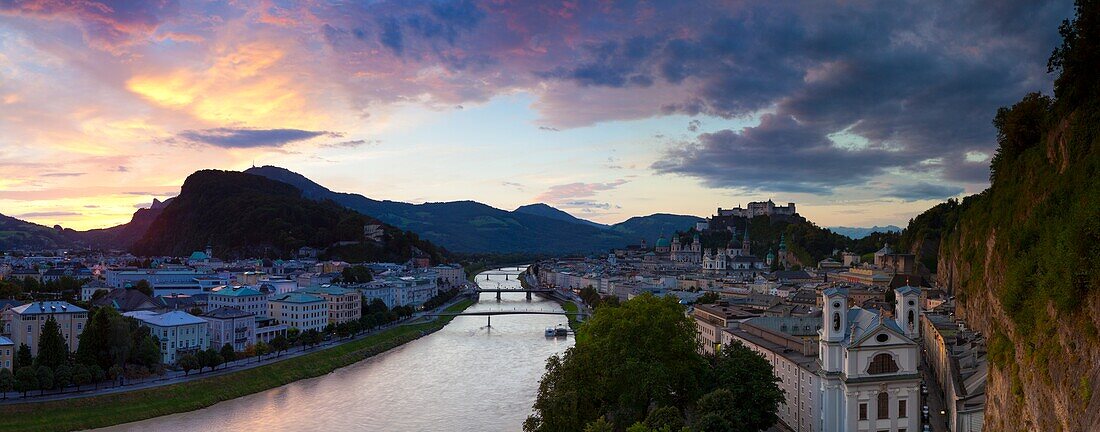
112 409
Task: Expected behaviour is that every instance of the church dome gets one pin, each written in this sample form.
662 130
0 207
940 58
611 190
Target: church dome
199 256
662 242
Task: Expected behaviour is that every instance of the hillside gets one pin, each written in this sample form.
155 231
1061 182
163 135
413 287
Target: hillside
540 209
473 227
1023 257
20 234
244 215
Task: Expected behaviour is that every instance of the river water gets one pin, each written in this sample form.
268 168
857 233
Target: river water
464 377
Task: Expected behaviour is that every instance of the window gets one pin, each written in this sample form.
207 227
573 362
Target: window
882 364
863 411
901 408
883 405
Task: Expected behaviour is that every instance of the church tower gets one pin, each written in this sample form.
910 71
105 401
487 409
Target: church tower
907 310
745 242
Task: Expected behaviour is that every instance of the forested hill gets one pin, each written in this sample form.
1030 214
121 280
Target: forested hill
1023 257
244 215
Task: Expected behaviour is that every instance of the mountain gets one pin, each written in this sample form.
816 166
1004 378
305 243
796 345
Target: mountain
122 236
243 215
860 232
20 234
540 209
1023 257
473 227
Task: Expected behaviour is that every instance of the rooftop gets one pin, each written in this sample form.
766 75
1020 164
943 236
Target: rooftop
48 307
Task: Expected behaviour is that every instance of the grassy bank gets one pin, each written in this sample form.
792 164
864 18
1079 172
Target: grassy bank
112 409
571 307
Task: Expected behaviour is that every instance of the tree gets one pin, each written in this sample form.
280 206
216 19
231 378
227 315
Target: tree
710 297
144 287
45 378
188 362
195 311
26 380
754 390
279 344
63 376
93 345
261 348
148 352
81 375
626 360
23 357
98 374
98 294
292 335
590 296
116 373
52 350
7 381
227 353
637 368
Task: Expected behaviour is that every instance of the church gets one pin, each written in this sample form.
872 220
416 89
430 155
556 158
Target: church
868 365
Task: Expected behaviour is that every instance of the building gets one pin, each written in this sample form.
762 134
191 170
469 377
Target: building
299 310
790 345
711 319
245 298
957 360
179 332
155 277
7 354
449 274
343 304
691 253
89 288
758 208
868 365
126 300
27 322
229 325
268 328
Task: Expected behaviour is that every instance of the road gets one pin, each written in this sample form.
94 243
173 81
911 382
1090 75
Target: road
934 400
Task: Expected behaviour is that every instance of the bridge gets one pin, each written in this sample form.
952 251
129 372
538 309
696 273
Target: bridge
506 275
504 290
489 314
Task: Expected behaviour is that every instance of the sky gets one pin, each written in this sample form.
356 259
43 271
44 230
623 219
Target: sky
861 112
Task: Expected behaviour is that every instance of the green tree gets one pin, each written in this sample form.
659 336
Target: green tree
665 418
81 375
26 380
23 357
626 360
710 297
98 375
261 348
227 353
148 352
188 362
63 376
7 381
93 341
279 344
754 393
45 378
144 287
52 349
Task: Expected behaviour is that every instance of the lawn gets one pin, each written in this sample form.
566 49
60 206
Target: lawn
112 409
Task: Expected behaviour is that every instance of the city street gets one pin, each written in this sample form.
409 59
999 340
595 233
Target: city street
934 400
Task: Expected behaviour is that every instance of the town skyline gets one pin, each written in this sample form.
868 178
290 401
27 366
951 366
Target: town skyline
586 108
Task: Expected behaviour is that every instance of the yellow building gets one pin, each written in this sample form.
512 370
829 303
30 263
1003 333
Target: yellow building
28 320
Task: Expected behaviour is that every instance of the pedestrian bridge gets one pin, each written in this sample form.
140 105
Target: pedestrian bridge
505 290
490 314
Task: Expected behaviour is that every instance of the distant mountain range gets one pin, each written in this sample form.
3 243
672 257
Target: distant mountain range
236 211
469 226
859 232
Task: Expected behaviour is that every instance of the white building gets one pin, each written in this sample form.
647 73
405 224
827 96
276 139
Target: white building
155 277
300 311
244 298
179 332
449 274
758 208
869 377
229 325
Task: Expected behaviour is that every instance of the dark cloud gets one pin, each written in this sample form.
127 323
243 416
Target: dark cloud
349 144
924 191
106 23
549 129
250 138
780 155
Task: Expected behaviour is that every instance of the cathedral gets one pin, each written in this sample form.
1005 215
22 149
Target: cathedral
691 254
731 258
868 365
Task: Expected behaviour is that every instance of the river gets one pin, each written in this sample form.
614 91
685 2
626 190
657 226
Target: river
464 377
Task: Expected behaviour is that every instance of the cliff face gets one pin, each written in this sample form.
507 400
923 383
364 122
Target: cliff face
1023 260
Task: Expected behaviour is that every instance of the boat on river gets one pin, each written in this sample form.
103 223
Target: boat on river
550 332
561 331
